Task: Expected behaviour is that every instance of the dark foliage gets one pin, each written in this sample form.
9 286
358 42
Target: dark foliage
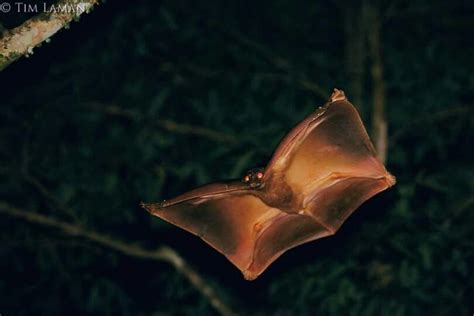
84 138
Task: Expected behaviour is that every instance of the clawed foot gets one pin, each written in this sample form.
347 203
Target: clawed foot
337 95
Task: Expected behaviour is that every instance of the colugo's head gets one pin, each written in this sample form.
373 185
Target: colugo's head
254 177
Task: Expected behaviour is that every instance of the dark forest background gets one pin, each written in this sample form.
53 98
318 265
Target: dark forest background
143 100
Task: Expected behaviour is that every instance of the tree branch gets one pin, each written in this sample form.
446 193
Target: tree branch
281 63
38 185
21 40
379 123
163 253
448 113
166 124
355 54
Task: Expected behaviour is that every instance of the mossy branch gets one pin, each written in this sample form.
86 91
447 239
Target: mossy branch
21 40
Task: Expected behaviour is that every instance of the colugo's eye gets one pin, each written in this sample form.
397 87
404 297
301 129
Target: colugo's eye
260 175
247 178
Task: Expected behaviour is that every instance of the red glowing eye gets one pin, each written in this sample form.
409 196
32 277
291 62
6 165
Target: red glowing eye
260 175
247 179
